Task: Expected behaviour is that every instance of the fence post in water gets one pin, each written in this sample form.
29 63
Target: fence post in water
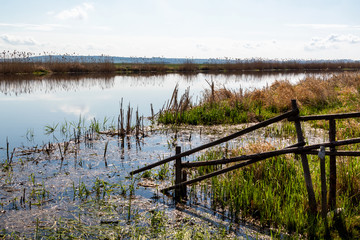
332 138
178 173
304 160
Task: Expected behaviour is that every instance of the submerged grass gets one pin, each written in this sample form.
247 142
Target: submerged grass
154 225
104 211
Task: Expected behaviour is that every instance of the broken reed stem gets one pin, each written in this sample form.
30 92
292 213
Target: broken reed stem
8 157
122 119
143 129
137 124
12 155
128 126
7 149
105 150
152 112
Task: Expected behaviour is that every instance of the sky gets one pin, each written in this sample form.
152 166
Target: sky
236 29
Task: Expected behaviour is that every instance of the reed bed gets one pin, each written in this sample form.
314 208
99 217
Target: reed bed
338 93
24 62
241 65
14 62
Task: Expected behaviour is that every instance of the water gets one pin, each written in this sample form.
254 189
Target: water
28 105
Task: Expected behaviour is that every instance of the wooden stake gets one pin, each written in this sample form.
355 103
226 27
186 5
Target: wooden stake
304 160
178 173
323 182
332 138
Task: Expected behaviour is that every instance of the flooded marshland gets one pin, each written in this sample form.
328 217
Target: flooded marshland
59 176
29 104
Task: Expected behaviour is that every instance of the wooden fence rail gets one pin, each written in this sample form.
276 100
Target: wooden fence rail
253 158
241 161
217 142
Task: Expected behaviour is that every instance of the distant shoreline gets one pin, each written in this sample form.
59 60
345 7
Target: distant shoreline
45 68
22 63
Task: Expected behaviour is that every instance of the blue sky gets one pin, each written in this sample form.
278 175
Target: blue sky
281 29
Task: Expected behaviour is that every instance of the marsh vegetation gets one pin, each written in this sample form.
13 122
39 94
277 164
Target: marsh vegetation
316 95
78 186
18 62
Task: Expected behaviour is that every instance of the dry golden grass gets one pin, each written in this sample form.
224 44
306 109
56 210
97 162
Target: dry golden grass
311 91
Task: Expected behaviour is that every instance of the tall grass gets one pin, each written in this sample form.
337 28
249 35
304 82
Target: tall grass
339 92
273 193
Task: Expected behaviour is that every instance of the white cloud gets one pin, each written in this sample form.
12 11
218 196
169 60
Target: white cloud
258 45
76 110
79 12
18 40
332 41
344 38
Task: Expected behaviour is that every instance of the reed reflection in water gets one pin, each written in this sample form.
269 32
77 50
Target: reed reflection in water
29 103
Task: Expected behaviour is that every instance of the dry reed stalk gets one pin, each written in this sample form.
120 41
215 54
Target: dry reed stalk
173 101
7 149
137 126
105 150
152 111
184 101
128 123
122 131
143 128
212 89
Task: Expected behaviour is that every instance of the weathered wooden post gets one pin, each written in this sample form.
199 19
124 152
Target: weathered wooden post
321 155
304 160
332 192
178 173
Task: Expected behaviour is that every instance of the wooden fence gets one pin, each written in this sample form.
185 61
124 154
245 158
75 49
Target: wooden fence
299 148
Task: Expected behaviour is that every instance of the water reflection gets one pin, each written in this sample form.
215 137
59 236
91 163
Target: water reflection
29 103
26 84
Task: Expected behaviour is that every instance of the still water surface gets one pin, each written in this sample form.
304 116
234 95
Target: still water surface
28 105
